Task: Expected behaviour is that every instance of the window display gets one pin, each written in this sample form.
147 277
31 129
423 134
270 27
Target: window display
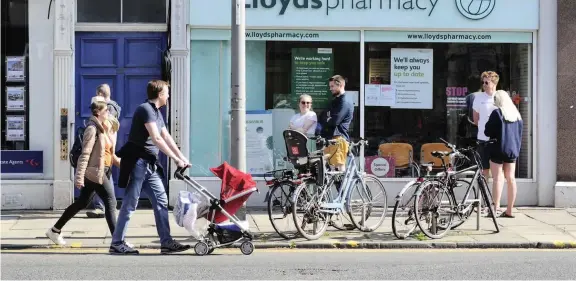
15 75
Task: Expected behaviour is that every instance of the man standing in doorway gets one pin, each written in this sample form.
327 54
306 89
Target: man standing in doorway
483 106
114 109
141 171
337 123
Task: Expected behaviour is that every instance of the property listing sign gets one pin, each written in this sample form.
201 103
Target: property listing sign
15 98
411 75
259 154
311 69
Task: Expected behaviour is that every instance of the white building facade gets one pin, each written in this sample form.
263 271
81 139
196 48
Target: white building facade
72 47
366 41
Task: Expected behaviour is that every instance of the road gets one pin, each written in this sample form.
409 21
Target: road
292 264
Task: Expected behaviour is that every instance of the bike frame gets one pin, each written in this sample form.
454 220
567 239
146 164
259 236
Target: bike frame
351 173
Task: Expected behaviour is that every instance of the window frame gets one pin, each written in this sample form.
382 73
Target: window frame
121 26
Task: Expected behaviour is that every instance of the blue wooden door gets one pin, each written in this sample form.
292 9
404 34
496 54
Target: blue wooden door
126 62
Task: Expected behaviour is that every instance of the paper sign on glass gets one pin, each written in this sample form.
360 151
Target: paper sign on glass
379 95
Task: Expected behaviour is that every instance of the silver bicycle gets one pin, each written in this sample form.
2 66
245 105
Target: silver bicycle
356 193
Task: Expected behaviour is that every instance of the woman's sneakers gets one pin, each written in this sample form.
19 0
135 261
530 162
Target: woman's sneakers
55 236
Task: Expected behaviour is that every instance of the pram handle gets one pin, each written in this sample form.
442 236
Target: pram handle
179 173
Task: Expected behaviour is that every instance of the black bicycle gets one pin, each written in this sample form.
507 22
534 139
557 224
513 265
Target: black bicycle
436 195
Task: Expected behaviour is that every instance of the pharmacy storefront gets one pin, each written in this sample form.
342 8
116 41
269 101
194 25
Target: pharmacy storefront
409 65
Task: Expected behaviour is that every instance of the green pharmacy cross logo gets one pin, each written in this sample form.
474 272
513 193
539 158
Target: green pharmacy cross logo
475 9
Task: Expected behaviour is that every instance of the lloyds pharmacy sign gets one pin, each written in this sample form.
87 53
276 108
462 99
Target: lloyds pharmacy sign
471 9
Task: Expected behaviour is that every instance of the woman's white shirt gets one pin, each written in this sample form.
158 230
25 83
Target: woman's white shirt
298 121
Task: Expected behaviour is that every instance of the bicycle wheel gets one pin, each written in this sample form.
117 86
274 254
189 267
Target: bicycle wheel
403 217
280 209
462 185
486 194
306 210
428 204
368 192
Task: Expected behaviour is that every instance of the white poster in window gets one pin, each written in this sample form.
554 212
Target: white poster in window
355 97
412 76
379 95
15 128
15 69
372 95
259 146
15 98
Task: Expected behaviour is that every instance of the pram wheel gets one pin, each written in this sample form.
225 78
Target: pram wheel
247 248
201 248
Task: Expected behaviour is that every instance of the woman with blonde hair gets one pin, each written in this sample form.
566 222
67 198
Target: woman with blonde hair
505 127
94 169
304 121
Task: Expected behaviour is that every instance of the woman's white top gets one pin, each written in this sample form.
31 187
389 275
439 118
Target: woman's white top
298 121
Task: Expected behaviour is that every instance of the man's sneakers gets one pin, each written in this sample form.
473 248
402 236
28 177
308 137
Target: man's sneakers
96 213
125 248
122 249
173 247
56 237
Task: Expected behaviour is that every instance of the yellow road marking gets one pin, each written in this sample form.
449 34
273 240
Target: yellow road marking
237 251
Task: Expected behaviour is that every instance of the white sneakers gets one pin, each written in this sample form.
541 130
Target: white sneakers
55 237
58 240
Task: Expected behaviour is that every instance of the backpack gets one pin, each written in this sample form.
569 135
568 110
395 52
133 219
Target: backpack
77 146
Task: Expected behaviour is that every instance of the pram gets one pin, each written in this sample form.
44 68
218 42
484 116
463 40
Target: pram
235 189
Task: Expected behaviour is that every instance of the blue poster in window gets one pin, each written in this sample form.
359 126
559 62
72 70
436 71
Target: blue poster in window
22 162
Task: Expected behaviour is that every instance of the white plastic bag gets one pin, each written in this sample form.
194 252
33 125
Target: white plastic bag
188 210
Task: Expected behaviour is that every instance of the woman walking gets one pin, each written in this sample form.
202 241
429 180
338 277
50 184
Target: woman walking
94 169
505 126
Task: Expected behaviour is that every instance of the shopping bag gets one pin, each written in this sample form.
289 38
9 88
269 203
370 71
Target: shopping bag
187 201
189 210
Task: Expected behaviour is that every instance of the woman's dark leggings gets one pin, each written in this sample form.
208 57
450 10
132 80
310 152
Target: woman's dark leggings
106 193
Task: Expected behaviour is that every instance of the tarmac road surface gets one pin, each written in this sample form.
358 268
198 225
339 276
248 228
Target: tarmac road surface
82 264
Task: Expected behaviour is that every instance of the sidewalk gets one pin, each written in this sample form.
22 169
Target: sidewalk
532 228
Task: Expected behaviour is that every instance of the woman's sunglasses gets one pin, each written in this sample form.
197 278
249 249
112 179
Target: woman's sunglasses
485 83
305 102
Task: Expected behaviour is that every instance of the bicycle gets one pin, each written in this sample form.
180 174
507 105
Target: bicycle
409 192
430 189
318 204
278 197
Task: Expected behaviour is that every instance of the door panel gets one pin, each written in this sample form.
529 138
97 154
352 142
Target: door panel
126 61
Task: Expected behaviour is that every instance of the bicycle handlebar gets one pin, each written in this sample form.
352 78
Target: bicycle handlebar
360 142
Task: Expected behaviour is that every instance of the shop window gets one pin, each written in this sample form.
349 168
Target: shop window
431 101
287 78
14 75
121 11
270 97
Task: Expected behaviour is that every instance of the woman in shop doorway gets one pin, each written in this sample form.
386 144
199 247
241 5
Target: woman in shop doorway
94 169
306 120
505 126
